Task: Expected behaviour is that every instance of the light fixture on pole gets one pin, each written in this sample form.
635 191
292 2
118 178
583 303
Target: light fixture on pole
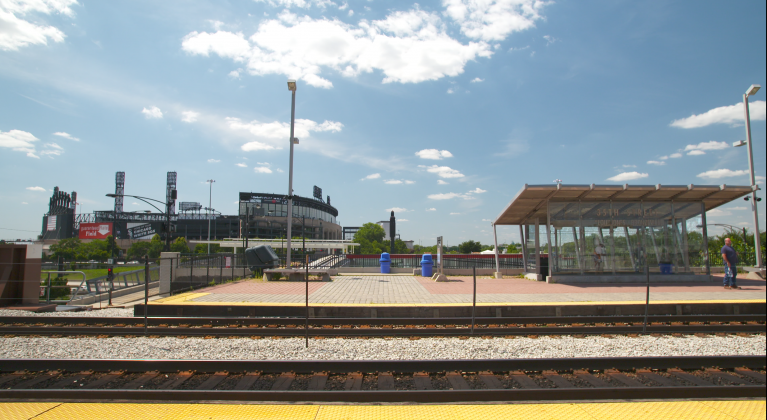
292 89
210 206
757 240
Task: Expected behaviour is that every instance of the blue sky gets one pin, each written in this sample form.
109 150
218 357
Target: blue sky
441 110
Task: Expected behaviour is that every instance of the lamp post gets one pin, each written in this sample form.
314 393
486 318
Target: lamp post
291 88
757 239
210 205
167 211
732 228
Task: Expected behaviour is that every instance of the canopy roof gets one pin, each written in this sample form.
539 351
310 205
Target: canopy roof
530 201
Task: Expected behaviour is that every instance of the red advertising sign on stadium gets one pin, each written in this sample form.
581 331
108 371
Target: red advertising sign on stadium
95 230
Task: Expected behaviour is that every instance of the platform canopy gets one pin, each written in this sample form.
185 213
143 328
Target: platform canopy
530 201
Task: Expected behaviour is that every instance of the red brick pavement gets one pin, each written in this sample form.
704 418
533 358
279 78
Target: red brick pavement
463 285
278 288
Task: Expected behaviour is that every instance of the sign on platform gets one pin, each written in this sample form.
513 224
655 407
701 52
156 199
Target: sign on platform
95 230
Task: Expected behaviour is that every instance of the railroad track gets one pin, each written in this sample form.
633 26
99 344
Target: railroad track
384 381
382 327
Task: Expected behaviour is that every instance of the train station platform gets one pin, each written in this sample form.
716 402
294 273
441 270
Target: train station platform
396 290
710 410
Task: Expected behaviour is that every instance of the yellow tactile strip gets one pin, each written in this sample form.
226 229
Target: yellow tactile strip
660 410
186 299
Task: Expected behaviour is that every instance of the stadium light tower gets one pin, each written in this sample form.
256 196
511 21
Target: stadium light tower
757 239
210 206
292 89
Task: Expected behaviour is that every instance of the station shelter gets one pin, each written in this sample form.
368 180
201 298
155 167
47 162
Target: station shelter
613 233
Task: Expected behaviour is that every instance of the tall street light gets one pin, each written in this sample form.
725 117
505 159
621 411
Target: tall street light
210 206
292 88
757 239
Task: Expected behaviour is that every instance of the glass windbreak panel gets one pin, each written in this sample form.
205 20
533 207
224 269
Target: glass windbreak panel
662 243
593 245
530 243
564 219
689 224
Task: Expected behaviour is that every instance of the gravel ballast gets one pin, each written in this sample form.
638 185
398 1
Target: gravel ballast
375 349
111 312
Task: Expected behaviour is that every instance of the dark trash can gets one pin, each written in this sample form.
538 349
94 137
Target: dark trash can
385 263
666 268
261 257
426 265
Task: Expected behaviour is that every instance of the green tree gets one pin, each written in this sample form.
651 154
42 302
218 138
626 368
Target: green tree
96 250
513 249
155 246
112 247
179 245
203 248
400 247
68 249
469 246
370 237
138 250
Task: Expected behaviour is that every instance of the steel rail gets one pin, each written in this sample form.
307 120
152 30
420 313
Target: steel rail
377 332
391 366
216 321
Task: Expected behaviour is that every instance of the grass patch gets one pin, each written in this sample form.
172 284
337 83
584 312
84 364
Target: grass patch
90 273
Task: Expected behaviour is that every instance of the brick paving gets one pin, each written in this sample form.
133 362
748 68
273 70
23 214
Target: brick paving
405 289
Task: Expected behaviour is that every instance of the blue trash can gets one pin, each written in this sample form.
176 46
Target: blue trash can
666 268
385 263
426 265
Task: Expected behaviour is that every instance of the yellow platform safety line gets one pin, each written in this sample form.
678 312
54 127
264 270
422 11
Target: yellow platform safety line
655 410
187 299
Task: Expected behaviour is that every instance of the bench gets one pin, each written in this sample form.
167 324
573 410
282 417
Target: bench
297 274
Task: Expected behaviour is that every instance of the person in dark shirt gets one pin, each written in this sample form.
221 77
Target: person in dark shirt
730 258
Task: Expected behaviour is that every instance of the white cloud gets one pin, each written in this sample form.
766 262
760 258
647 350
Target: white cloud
397 210
279 170
403 220
66 136
629 166
152 112
486 220
275 134
656 162
433 154
718 212
189 116
19 141
449 196
408 182
24 202
262 170
442 171
450 91
241 165
16 32
52 149
351 13
477 80
304 4
477 191
214 160
722 173
407 47
732 114
392 181
708 145
235 74
675 155
627 176
696 153
36 189
454 214
493 20
431 209
738 208
759 179
371 176
441 182
549 39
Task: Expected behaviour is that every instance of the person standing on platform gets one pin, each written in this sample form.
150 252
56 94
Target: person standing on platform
730 257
